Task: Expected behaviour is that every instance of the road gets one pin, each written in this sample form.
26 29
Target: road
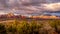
6 21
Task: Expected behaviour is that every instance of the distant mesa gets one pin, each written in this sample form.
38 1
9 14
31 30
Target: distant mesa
12 16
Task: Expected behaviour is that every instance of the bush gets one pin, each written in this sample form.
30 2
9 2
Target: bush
56 25
30 27
2 29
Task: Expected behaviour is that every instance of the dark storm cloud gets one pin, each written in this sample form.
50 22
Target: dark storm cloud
30 6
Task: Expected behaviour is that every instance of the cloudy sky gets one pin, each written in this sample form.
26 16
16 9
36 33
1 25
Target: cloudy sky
29 6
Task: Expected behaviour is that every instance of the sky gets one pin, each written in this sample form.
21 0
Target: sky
29 6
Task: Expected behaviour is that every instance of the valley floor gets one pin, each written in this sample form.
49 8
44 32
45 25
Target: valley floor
30 26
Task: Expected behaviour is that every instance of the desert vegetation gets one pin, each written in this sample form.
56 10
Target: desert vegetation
30 27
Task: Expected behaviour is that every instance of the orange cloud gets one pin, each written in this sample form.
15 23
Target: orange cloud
52 6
